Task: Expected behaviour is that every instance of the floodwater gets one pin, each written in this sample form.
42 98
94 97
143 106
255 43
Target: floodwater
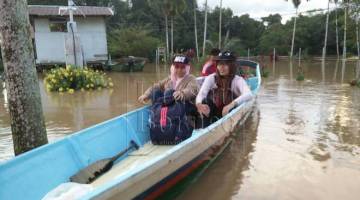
301 142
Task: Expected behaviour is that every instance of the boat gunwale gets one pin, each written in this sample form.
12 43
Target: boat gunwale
68 137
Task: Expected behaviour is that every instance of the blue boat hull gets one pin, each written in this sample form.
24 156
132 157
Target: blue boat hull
33 174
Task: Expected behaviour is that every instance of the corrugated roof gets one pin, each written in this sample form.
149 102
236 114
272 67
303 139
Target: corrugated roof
82 10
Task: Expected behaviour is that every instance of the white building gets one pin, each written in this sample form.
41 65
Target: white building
50 28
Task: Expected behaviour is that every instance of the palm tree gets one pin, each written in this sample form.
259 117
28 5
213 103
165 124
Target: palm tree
355 15
176 7
195 30
337 31
205 26
345 4
229 43
220 24
163 6
326 33
296 5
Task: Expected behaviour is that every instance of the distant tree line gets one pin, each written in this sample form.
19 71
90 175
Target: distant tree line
138 28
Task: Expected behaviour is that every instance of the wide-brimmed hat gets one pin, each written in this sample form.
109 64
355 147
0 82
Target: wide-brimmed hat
226 56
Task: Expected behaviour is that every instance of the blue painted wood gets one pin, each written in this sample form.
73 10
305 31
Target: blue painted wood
35 173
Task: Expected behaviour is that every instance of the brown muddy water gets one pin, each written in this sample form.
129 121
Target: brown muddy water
301 142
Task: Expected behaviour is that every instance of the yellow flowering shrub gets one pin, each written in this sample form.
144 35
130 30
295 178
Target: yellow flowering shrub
70 79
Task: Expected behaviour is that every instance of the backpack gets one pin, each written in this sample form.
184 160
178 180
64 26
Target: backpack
169 124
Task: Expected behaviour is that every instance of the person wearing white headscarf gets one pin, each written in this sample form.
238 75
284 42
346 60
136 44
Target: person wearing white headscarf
180 80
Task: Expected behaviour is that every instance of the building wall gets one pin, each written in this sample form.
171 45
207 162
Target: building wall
50 46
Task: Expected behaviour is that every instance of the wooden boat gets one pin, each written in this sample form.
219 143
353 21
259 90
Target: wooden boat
130 64
140 174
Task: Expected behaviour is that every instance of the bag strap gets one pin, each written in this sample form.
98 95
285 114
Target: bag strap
163 116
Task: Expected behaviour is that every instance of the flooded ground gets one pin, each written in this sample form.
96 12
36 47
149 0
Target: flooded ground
302 141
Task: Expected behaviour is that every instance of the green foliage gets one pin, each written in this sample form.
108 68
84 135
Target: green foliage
71 79
265 73
198 65
135 41
242 32
300 77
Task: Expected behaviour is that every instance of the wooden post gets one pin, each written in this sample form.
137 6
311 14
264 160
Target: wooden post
299 56
274 60
27 120
248 57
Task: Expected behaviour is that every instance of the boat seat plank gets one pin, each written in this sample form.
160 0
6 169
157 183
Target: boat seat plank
145 154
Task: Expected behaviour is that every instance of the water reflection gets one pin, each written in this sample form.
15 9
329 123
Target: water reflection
336 69
307 144
323 63
291 70
343 67
229 170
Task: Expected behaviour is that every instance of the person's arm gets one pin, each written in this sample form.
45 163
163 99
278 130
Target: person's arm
191 89
205 88
205 68
245 91
158 85
245 95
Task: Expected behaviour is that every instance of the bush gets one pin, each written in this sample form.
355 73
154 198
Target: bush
300 77
134 41
71 79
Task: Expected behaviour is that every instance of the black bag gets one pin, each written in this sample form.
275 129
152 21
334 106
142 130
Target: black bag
168 121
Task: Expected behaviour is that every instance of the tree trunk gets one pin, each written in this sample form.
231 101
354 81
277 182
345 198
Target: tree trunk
172 35
357 37
195 31
293 36
326 33
220 24
205 26
27 120
344 45
337 32
358 48
167 36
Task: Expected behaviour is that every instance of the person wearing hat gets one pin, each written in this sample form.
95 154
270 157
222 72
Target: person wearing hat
222 91
210 65
180 81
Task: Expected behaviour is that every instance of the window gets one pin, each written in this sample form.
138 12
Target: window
57 25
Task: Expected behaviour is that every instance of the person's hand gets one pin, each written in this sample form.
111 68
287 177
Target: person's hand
143 99
227 108
203 109
179 96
